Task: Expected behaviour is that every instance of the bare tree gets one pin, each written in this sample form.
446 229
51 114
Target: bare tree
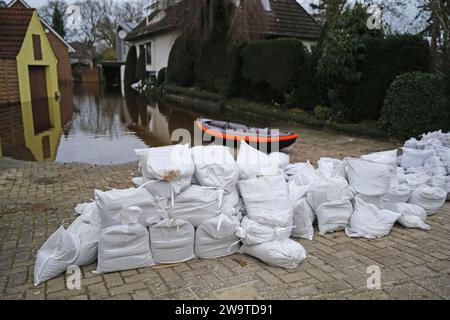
132 10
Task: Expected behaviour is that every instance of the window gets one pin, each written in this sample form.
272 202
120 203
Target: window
37 47
148 55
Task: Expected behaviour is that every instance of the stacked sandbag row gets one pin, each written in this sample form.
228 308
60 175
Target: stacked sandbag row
268 224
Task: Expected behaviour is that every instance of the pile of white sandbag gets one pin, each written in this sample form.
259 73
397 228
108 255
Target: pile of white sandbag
203 203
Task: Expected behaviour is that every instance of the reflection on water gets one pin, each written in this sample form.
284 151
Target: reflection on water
91 125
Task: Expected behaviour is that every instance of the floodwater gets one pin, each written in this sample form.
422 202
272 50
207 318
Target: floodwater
92 124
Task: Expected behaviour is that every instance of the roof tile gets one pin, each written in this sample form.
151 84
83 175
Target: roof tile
13 28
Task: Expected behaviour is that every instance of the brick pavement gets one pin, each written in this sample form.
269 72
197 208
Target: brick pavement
35 198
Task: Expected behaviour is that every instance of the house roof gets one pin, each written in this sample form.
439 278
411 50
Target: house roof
81 51
13 28
287 18
127 25
27 6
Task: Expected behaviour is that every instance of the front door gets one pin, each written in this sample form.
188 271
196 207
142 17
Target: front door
39 99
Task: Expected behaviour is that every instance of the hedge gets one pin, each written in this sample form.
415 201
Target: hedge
385 59
140 66
274 68
180 68
415 103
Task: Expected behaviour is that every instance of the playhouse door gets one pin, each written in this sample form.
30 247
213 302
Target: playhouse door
39 99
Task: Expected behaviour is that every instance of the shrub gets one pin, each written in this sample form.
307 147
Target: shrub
385 59
415 103
161 77
180 68
274 68
323 113
130 67
140 66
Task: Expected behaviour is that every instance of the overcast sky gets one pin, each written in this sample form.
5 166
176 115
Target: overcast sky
404 23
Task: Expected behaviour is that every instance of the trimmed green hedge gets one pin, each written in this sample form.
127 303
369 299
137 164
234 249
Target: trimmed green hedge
180 69
415 103
130 67
274 68
140 67
385 59
161 77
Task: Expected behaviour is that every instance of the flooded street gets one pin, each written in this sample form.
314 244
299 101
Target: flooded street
94 125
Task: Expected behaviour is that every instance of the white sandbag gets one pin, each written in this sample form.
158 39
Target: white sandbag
303 220
252 162
282 159
89 213
395 195
412 144
55 255
416 179
196 205
377 201
386 157
443 153
138 181
370 222
368 177
424 169
166 163
439 182
172 241
166 190
252 233
331 168
334 216
302 174
131 203
88 237
412 216
326 190
430 198
124 247
412 158
436 166
216 237
231 202
281 253
215 167
266 200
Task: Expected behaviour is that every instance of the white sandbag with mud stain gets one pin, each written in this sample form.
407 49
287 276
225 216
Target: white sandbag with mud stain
124 247
252 233
172 241
334 215
430 198
216 237
412 216
285 253
266 200
370 222
54 257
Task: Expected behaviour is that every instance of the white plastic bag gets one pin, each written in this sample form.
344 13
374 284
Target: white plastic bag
88 237
196 205
436 166
334 216
413 158
252 162
124 247
166 190
266 200
417 179
215 167
370 222
430 198
326 190
172 241
253 233
368 177
120 203
377 201
386 157
412 216
282 159
331 168
302 174
166 163
55 255
216 237
443 153
281 253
